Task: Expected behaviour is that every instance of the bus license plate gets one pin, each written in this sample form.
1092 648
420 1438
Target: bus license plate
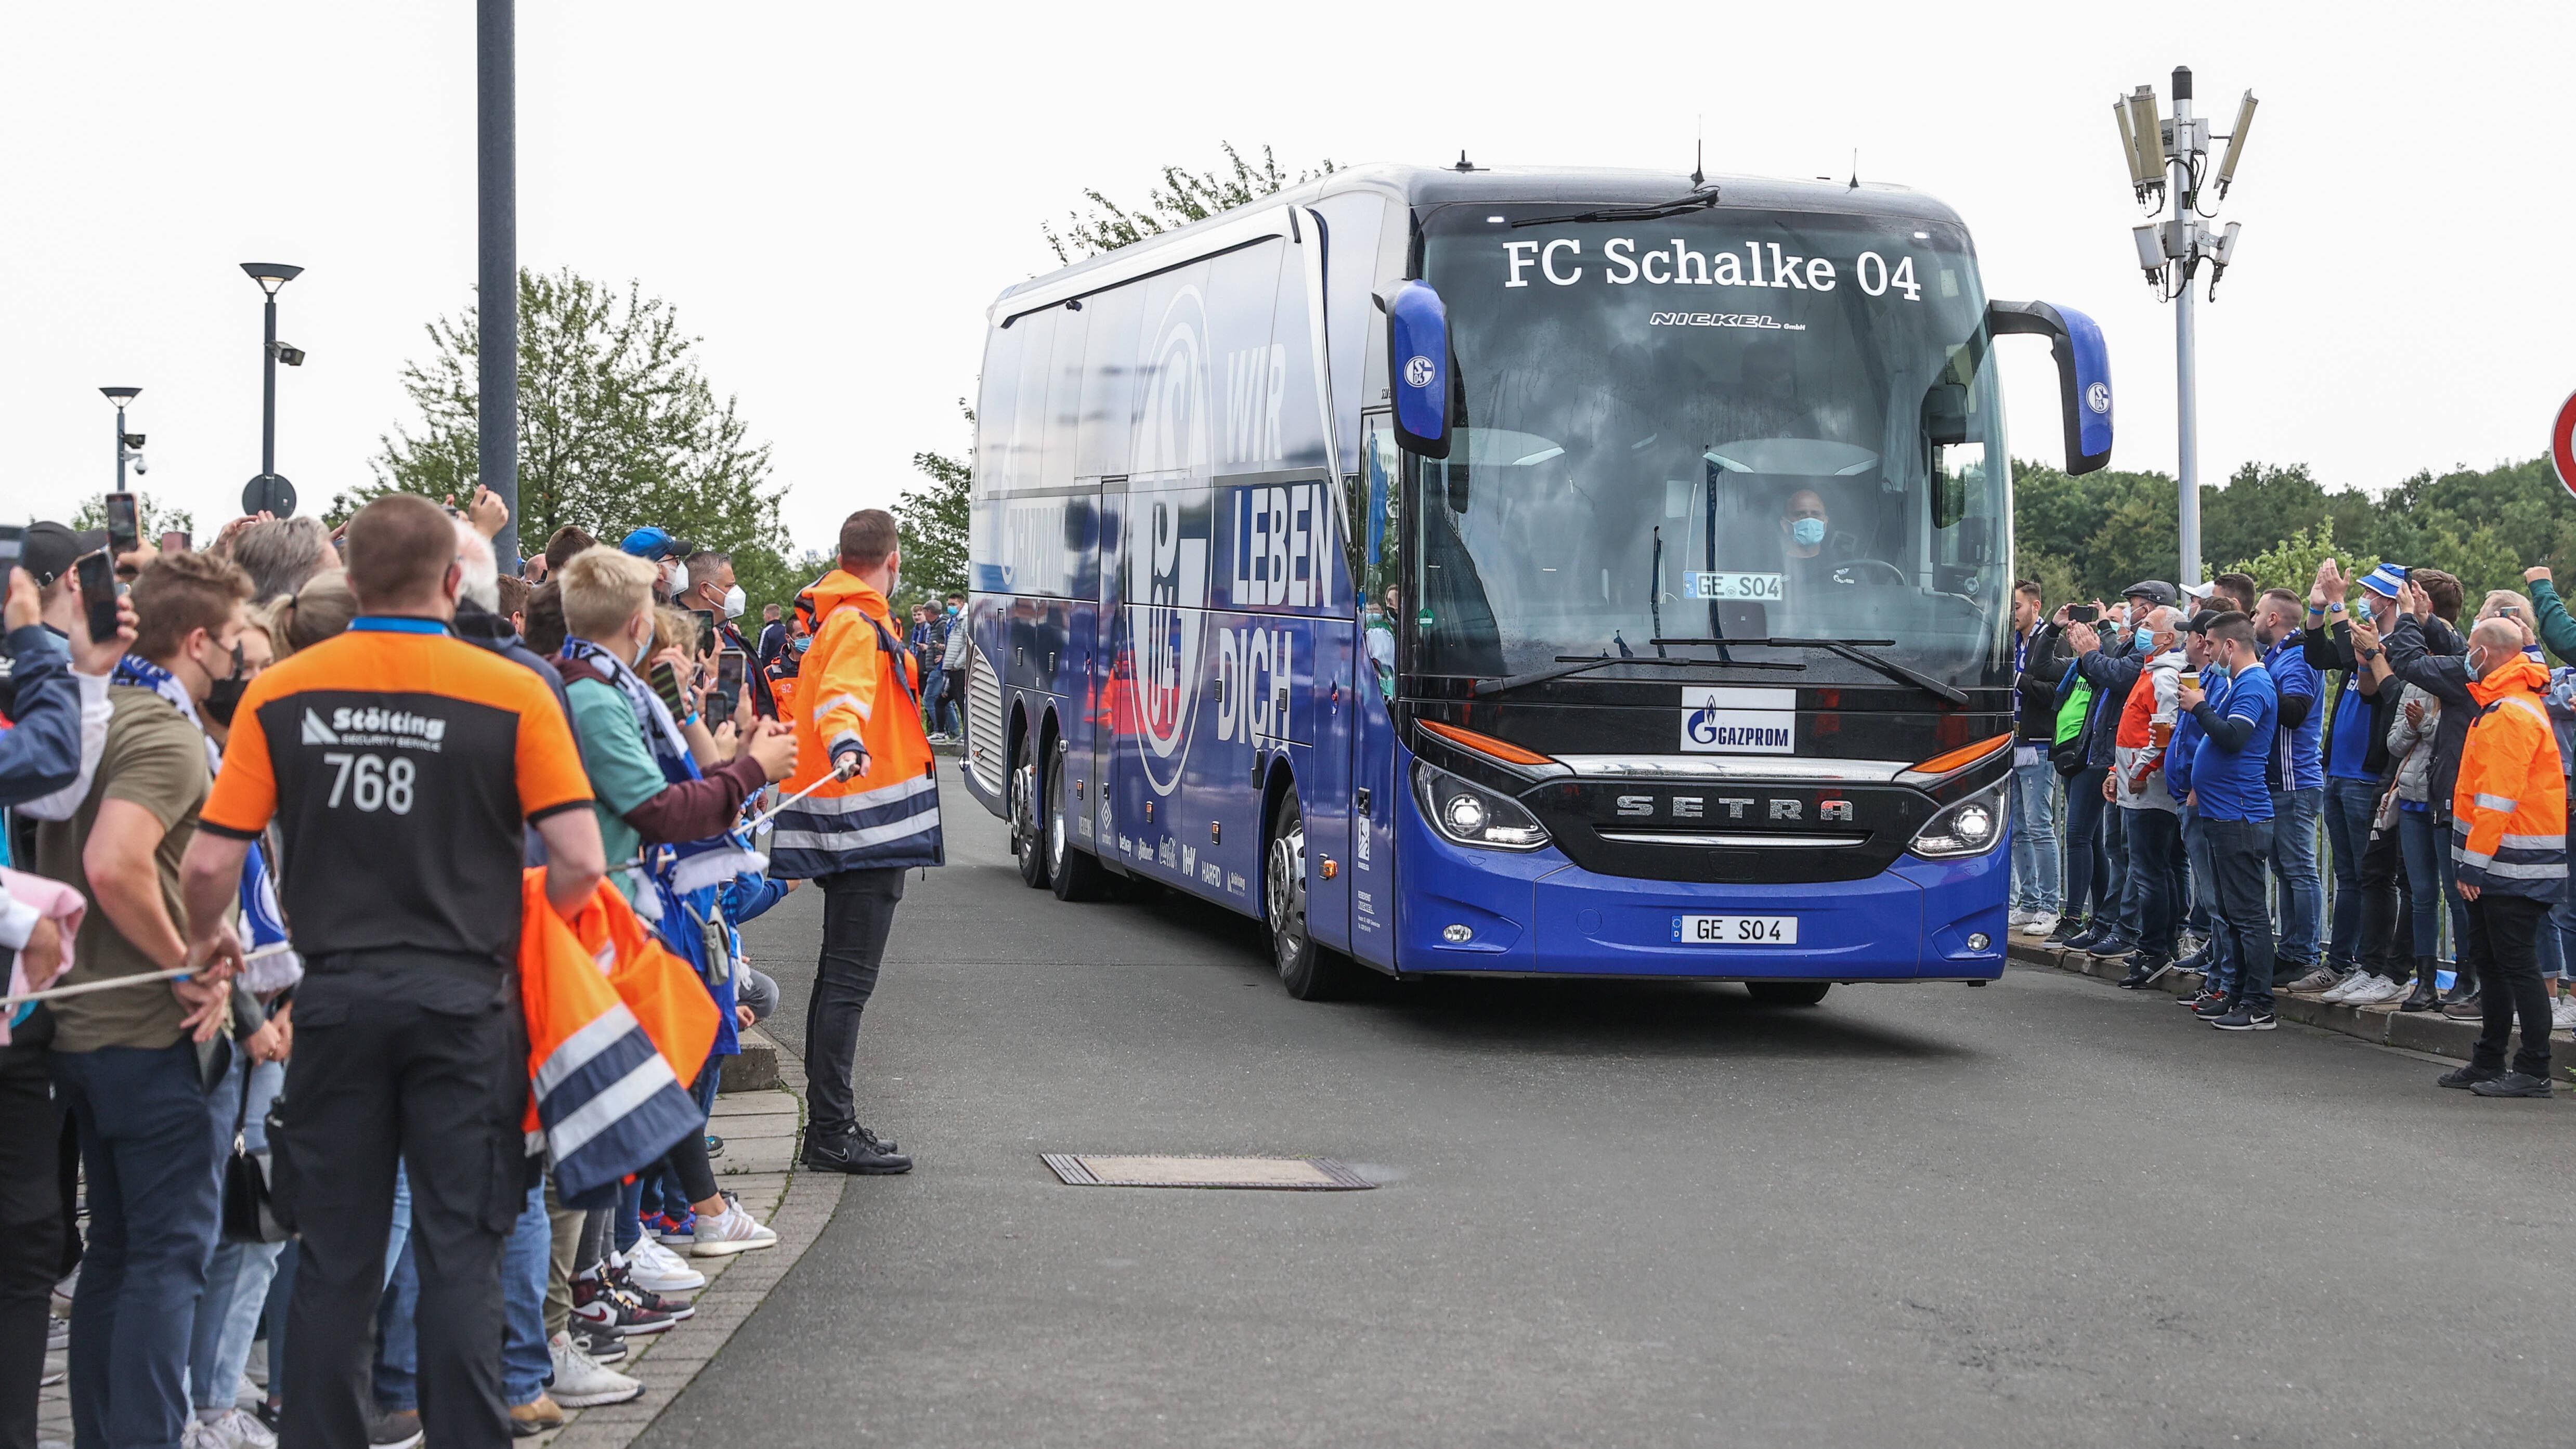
1736 930
1763 587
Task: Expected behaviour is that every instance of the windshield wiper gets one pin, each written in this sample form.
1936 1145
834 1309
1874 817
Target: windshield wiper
1699 200
1851 649
1571 664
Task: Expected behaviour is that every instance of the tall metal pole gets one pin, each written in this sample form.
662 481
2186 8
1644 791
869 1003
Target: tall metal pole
2186 386
497 271
267 395
120 447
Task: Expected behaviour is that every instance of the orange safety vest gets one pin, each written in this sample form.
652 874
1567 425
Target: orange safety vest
617 1028
856 686
2509 809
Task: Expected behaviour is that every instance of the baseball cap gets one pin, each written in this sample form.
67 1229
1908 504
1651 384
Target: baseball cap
653 543
47 552
2199 623
2156 589
2384 580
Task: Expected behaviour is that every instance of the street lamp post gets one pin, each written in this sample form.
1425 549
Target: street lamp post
268 492
129 446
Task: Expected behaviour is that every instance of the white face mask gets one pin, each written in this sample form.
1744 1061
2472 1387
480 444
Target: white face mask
735 602
679 583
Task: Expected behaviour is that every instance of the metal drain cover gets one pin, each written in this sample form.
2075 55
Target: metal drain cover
1278 1174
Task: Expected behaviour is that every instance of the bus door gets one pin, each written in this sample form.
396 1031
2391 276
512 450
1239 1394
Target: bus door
1368 701
1097 690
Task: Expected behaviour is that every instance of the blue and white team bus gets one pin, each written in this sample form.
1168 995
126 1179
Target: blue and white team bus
1574 573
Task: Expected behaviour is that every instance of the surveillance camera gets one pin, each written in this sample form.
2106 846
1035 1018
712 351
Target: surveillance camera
140 466
292 356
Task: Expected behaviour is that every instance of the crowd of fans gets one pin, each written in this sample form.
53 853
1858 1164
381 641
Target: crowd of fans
305 784
2308 795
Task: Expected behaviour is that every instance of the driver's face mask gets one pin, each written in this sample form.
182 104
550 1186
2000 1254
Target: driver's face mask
1807 531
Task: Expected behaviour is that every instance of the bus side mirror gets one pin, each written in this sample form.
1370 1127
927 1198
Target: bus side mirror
1417 350
2083 373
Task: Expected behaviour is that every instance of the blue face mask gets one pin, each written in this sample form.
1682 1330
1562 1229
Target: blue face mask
804 642
2214 670
1808 532
2145 638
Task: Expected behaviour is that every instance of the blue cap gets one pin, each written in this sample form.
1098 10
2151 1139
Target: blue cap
2384 580
653 543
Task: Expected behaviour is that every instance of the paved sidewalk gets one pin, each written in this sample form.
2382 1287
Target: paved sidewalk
759 1129
2429 1032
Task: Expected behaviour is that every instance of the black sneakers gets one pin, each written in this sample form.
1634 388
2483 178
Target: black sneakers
2512 1084
851 1149
2466 1078
2144 971
2245 1018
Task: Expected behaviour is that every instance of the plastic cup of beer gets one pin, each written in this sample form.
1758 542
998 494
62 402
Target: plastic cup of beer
2160 731
2191 677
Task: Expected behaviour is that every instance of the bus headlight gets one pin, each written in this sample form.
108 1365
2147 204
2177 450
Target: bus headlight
1472 815
1968 827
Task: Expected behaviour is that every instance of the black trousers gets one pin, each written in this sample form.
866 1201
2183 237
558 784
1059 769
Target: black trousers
2239 852
858 912
31 1233
2381 951
2504 946
446 1090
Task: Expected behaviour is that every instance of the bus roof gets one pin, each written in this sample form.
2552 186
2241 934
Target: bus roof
1423 186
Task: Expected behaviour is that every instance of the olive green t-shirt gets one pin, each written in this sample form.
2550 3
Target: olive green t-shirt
155 758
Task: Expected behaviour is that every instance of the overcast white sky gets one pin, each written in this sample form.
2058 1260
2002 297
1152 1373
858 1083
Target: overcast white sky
831 194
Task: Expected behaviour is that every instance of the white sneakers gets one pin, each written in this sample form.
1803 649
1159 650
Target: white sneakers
2562 1013
2365 989
2344 990
657 1269
580 1383
2041 924
2018 917
731 1231
233 1429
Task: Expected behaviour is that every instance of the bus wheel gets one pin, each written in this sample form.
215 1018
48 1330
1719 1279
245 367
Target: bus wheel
1310 972
1073 871
1788 993
1027 842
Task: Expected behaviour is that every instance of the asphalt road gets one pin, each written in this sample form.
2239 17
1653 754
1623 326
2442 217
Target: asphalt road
2044 1212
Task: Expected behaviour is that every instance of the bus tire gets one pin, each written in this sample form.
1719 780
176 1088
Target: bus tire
1027 840
1072 870
1309 971
1788 993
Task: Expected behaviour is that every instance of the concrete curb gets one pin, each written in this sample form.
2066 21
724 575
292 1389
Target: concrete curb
2429 1032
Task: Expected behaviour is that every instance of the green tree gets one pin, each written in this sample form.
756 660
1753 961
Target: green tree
152 519
1183 197
618 428
2291 563
933 520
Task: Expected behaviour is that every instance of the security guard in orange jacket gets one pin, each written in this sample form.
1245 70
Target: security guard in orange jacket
2509 837
876 814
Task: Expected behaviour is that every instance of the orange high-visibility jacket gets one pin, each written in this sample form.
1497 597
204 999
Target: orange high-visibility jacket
617 1028
856 687
2509 810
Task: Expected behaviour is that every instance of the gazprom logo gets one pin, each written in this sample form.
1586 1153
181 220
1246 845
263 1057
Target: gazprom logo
2098 397
1719 720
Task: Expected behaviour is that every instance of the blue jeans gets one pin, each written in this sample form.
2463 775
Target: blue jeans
2428 862
147 1143
2154 895
2294 863
238 1275
398 1335
2035 863
2114 889
2089 882
2349 806
525 1361
2221 974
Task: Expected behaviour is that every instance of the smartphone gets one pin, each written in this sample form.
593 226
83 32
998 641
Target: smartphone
175 541
2082 614
666 683
98 594
124 525
729 674
706 630
13 546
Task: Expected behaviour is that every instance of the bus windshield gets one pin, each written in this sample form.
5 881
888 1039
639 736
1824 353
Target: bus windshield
1724 423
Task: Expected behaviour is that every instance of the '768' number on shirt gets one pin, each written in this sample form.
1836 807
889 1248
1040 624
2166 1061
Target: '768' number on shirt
370 783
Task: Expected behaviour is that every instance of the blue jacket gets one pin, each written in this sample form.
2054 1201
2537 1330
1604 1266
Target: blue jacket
40 754
2111 677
